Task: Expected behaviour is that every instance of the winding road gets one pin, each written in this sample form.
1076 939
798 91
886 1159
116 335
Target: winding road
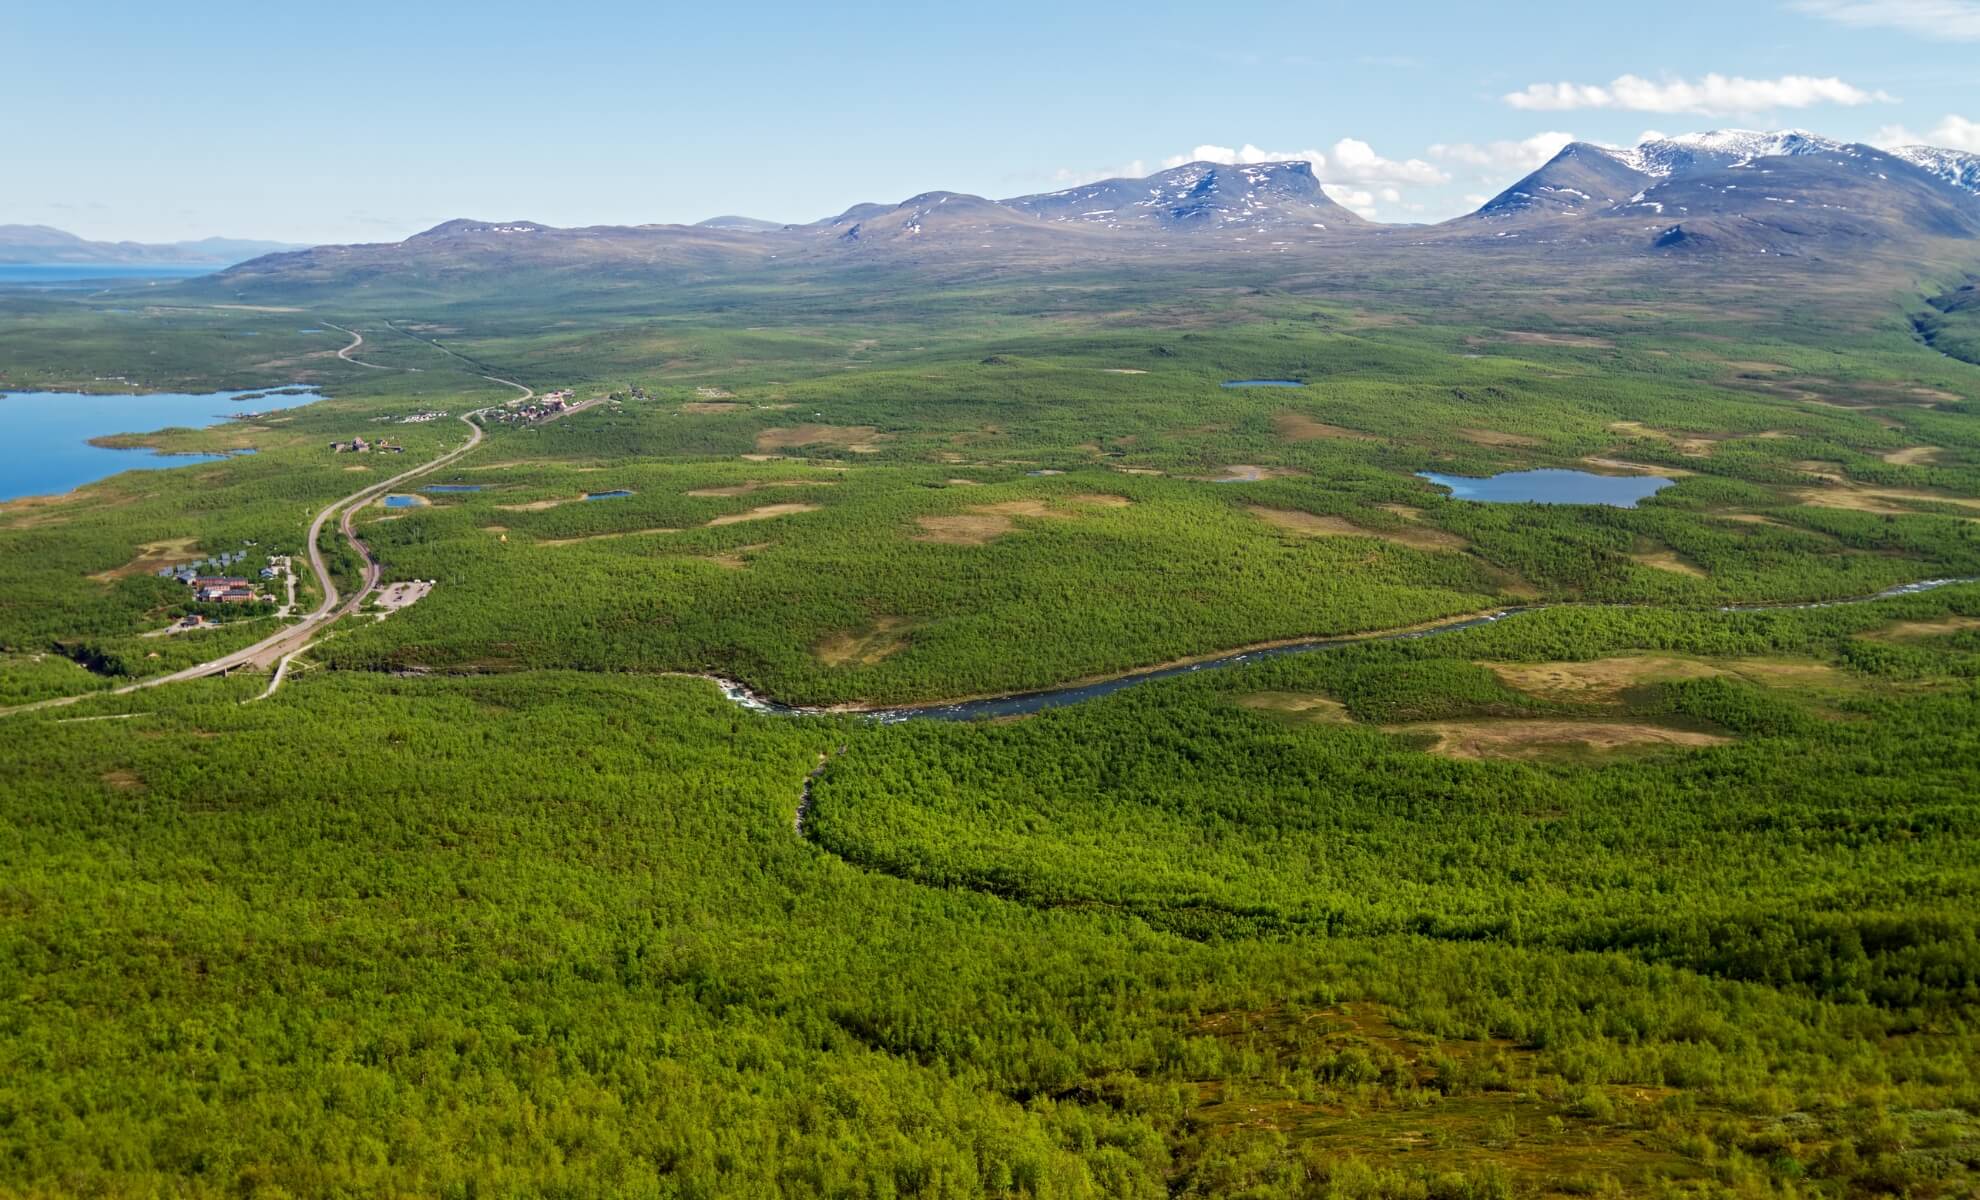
279 649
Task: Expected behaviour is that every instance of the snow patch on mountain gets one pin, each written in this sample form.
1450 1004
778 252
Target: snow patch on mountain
1956 167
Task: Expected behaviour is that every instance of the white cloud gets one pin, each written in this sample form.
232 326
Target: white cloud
1246 154
1714 95
1522 155
1353 199
1954 132
1954 20
1957 133
1356 161
1071 177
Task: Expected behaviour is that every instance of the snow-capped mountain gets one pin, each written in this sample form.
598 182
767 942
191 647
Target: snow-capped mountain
1664 157
1784 192
1956 167
1787 193
1198 196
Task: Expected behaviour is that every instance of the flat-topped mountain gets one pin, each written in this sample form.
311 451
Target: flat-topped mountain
1198 197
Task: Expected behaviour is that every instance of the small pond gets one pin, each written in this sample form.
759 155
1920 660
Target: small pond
619 495
453 487
1551 485
1248 383
402 502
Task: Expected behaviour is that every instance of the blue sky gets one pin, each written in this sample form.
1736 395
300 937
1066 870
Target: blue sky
367 122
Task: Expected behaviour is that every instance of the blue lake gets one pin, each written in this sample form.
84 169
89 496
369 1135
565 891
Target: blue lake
74 275
1551 486
606 495
48 433
453 487
1245 383
401 501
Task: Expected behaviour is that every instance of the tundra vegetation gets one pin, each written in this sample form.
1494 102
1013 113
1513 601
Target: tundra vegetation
1625 894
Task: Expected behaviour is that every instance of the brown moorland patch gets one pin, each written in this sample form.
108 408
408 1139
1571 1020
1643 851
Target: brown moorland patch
1248 473
1912 456
1885 501
963 529
601 537
1298 427
1635 468
711 407
1907 630
1600 679
151 556
863 647
757 485
1319 710
763 512
1495 437
860 439
1522 739
1666 560
1527 337
1306 524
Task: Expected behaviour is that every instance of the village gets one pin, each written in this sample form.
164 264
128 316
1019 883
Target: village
210 583
552 404
358 445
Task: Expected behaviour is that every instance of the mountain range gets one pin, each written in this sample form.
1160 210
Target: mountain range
1789 193
41 245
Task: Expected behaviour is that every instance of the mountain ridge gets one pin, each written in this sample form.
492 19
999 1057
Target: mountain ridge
1785 193
45 245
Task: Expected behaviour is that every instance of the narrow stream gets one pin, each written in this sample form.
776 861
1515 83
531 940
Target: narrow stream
1025 703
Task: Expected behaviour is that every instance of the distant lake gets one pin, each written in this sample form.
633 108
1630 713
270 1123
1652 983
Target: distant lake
93 273
48 433
454 487
1551 486
606 495
1244 383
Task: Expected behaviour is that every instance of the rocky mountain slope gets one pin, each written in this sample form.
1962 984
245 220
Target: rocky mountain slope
1729 192
1790 193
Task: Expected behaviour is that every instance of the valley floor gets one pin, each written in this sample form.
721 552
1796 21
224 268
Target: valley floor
1662 887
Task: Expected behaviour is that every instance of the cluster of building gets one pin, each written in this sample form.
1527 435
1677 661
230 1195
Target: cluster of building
210 586
358 445
420 418
223 589
547 406
187 572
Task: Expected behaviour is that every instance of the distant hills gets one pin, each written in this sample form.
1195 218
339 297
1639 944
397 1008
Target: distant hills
1789 194
41 245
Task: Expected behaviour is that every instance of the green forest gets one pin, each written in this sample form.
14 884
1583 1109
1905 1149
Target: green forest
1659 883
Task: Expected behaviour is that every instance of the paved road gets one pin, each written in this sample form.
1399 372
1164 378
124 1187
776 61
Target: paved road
278 649
271 649
357 339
